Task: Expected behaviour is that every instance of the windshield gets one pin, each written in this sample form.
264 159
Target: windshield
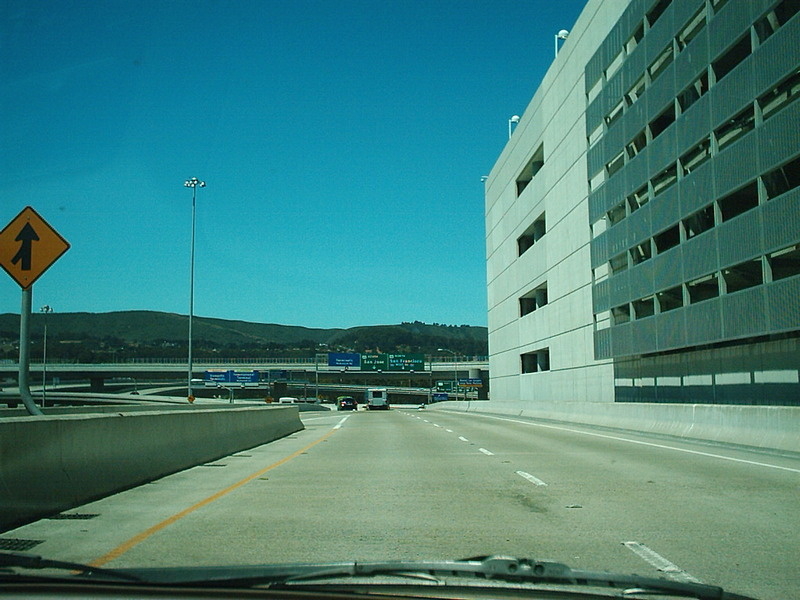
564 325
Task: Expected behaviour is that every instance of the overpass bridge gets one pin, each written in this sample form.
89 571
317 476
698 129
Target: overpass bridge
298 370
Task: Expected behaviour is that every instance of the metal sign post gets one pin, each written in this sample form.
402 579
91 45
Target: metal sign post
25 352
28 246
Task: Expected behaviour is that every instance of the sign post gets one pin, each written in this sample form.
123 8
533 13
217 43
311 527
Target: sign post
25 352
28 246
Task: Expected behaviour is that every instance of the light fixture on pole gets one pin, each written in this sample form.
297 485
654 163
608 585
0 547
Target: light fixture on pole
193 183
455 369
561 35
514 119
46 310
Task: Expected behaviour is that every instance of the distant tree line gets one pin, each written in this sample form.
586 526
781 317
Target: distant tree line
84 348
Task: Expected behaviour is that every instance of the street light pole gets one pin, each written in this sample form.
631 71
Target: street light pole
46 310
430 380
455 369
316 375
193 183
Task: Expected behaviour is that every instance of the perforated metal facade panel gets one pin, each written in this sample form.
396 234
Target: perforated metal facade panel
741 154
783 307
781 221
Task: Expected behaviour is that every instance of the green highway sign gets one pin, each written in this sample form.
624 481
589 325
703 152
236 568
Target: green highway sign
406 362
373 362
392 362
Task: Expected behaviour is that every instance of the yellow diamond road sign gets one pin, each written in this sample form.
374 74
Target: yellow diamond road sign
28 246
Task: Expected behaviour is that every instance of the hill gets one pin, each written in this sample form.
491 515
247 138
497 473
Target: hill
128 334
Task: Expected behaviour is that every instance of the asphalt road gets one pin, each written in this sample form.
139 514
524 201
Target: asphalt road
431 484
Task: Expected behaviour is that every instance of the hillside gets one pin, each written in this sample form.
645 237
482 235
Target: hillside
147 333
149 327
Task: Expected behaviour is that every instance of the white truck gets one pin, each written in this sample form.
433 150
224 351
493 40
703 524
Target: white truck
377 398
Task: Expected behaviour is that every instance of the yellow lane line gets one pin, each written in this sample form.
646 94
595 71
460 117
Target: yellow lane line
139 538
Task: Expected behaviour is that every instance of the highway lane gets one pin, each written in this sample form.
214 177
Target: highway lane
716 514
432 484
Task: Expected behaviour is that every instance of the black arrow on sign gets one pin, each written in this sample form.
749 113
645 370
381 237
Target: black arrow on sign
27 236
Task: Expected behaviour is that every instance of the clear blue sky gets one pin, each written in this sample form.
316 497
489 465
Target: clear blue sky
343 145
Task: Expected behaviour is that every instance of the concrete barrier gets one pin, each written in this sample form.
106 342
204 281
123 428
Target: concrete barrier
764 427
52 463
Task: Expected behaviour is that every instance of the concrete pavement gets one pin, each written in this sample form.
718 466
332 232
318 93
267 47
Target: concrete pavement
410 484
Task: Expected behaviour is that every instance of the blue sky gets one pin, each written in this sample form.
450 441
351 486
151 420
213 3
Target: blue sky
342 143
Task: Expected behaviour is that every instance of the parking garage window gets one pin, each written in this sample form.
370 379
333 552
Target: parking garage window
534 362
637 144
595 135
783 179
533 300
735 127
743 276
739 202
704 288
699 222
693 93
615 164
785 262
616 214
621 314
635 39
641 252
696 156
661 63
638 198
783 94
775 19
531 235
615 113
615 64
662 121
618 263
693 27
664 180
636 91
644 308
729 61
670 299
530 170
667 239
656 12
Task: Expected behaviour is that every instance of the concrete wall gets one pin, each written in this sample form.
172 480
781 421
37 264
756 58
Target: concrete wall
52 463
560 259
767 427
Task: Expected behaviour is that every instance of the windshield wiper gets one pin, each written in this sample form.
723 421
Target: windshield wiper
445 573
21 560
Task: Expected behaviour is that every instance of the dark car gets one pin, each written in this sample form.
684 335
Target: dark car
346 403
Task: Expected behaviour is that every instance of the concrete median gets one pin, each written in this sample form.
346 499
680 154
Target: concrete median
53 463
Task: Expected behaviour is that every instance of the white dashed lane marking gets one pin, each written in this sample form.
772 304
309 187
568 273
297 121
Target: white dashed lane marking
534 480
659 562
